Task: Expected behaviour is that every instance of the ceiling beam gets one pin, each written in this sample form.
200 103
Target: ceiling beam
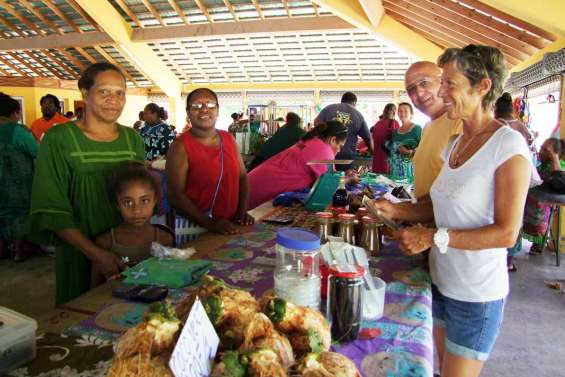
13 66
204 10
351 85
56 41
57 62
20 60
258 9
83 14
111 60
231 9
154 12
491 22
235 29
543 18
40 16
44 64
62 16
10 9
447 17
85 54
374 11
451 27
180 12
389 30
128 11
282 25
139 54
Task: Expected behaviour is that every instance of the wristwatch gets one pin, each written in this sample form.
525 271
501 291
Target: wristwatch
441 240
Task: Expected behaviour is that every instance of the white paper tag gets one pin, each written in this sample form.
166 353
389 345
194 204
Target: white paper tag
197 345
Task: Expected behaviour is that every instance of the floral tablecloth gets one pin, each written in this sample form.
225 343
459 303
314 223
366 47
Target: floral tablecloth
399 344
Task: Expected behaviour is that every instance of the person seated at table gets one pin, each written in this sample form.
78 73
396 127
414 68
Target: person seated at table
157 135
70 204
207 180
382 133
18 150
403 144
477 204
289 171
536 214
134 191
285 137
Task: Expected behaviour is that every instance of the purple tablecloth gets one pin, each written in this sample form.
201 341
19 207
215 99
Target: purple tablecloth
399 344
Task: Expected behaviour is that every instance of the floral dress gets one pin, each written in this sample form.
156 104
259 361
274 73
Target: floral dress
401 168
157 139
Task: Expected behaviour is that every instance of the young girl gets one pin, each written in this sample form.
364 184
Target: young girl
134 192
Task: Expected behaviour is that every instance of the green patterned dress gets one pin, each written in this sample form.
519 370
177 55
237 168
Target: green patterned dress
70 192
17 151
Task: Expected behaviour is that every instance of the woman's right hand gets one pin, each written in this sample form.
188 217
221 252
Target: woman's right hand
109 264
223 226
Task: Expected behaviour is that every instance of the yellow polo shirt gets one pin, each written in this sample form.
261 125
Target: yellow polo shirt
427 161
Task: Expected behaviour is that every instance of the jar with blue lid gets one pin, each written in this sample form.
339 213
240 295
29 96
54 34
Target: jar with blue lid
297 273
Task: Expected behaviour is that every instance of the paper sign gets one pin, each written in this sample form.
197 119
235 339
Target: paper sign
196 346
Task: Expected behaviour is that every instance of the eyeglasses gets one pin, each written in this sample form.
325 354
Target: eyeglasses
199 106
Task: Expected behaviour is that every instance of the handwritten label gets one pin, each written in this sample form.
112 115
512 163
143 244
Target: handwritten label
197 345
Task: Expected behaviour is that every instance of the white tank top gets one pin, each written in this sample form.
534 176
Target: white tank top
463 198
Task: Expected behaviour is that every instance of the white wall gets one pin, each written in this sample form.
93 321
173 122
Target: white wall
134 104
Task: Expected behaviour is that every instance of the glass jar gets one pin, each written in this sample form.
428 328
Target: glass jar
345 301
325 224
370 237
297 272
347 227
362 211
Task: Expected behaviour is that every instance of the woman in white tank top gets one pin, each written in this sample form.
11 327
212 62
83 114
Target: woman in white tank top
477 203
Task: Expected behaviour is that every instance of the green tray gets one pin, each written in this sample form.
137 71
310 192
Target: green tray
323 190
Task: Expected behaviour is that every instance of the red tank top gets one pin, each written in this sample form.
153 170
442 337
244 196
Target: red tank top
204 171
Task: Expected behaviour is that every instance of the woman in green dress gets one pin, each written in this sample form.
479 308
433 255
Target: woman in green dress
70 204
403 144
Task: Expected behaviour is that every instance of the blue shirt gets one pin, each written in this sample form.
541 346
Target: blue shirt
351 118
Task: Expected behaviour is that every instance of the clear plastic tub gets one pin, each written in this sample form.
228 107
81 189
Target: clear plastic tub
17 339
297 274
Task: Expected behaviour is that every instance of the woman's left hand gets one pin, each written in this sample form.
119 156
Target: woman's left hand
404 151
415 239
243 218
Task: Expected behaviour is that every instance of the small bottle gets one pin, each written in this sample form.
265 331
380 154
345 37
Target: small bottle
340 196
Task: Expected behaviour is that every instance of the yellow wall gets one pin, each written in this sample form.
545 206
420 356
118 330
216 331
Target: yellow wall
32 95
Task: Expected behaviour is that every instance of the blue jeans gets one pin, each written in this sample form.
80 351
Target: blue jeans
471 328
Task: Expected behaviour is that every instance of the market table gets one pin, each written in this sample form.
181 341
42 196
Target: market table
76 339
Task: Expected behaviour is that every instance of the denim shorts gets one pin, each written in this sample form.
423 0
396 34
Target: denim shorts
471 328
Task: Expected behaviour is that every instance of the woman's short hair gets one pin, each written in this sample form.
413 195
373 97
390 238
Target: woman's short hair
326 130
128 172
195 92
8 105
478 62
88 76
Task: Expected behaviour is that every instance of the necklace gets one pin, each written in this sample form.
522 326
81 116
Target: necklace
460 151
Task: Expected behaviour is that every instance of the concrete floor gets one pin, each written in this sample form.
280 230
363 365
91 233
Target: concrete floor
531 344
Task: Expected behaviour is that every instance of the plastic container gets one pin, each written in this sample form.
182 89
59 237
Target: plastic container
17 340
374 300
297 273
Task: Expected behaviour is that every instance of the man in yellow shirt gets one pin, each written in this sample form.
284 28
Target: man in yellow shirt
422 81
51 111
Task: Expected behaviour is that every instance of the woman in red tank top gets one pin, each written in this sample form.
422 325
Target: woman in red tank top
207 180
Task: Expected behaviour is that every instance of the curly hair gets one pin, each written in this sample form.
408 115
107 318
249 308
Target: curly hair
478 62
